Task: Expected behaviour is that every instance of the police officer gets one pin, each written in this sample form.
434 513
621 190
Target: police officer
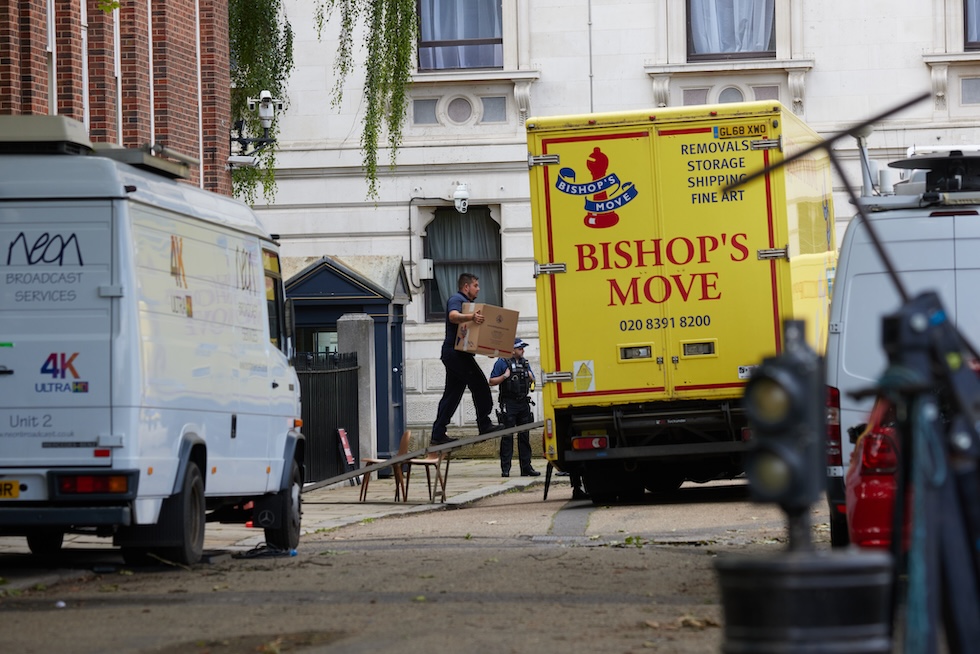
516 381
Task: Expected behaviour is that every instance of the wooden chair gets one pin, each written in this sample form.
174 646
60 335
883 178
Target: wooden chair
433 465
401 483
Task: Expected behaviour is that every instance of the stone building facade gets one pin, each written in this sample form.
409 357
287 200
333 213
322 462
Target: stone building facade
832 62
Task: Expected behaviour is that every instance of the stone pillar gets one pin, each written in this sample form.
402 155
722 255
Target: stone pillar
355 333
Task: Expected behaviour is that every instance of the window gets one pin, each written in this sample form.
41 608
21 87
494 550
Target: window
456 34
730 29
274 297
459 243
730 94
971 24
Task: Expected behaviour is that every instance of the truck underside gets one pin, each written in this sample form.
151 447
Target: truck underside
622 450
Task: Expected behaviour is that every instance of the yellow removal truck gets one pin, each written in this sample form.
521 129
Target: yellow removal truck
659 291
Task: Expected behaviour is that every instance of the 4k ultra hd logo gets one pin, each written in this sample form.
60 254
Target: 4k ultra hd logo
606 191
59 365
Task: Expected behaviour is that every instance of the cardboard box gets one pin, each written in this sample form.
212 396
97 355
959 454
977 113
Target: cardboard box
495 337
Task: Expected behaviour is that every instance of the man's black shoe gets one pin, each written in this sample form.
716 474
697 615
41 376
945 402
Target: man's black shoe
579 495
561 473
492 428
531 473
505 474
442 441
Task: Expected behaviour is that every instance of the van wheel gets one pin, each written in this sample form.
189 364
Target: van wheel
187 521
45 542
286 535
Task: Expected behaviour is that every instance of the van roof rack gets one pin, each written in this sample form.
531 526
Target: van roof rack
144 158
40 134
31 134
918 200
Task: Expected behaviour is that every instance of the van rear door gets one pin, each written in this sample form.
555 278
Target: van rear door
55 327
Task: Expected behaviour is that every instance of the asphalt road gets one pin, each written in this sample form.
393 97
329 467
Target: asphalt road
509 573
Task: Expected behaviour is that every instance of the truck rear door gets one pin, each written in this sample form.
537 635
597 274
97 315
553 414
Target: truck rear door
652 286
55 326
597 221
721 293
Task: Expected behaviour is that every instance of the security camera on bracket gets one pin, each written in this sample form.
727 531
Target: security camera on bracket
461 198
249 148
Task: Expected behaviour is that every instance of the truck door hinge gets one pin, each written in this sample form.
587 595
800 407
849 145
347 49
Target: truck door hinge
835 328
110 290
767 144
548 268
542 160
556 377
773 253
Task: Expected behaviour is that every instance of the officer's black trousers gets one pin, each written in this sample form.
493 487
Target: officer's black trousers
513 413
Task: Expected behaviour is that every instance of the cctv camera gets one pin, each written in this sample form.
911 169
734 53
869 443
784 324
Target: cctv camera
265 96
243 161
461 198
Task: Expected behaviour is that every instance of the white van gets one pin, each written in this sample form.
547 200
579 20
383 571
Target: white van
144 386
930 229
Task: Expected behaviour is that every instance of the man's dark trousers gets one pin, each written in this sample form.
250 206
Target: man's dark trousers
462 372
516 412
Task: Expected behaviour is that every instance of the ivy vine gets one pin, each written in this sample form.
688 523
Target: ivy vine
261 43
392 27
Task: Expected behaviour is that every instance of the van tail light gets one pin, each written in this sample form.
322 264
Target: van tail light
879 454
93 484
834 449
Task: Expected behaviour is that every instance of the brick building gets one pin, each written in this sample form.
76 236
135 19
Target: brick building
148 73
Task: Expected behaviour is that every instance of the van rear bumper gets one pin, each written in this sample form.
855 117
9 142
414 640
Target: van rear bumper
26 517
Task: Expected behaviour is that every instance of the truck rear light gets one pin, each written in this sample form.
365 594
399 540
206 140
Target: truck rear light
632 352
834 451
590 443
879 456
93 484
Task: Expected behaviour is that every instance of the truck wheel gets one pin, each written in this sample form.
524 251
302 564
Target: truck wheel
187 522
838 530
286 535
45 542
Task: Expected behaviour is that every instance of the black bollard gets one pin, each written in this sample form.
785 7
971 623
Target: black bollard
807 602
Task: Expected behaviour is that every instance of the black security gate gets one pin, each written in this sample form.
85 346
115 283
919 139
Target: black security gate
328 384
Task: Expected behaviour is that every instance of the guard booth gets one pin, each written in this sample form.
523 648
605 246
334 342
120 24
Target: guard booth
326 288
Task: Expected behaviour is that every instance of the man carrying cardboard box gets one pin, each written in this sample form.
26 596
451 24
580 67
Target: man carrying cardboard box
462 371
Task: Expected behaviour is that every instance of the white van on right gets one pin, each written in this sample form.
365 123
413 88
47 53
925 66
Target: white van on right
930 231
